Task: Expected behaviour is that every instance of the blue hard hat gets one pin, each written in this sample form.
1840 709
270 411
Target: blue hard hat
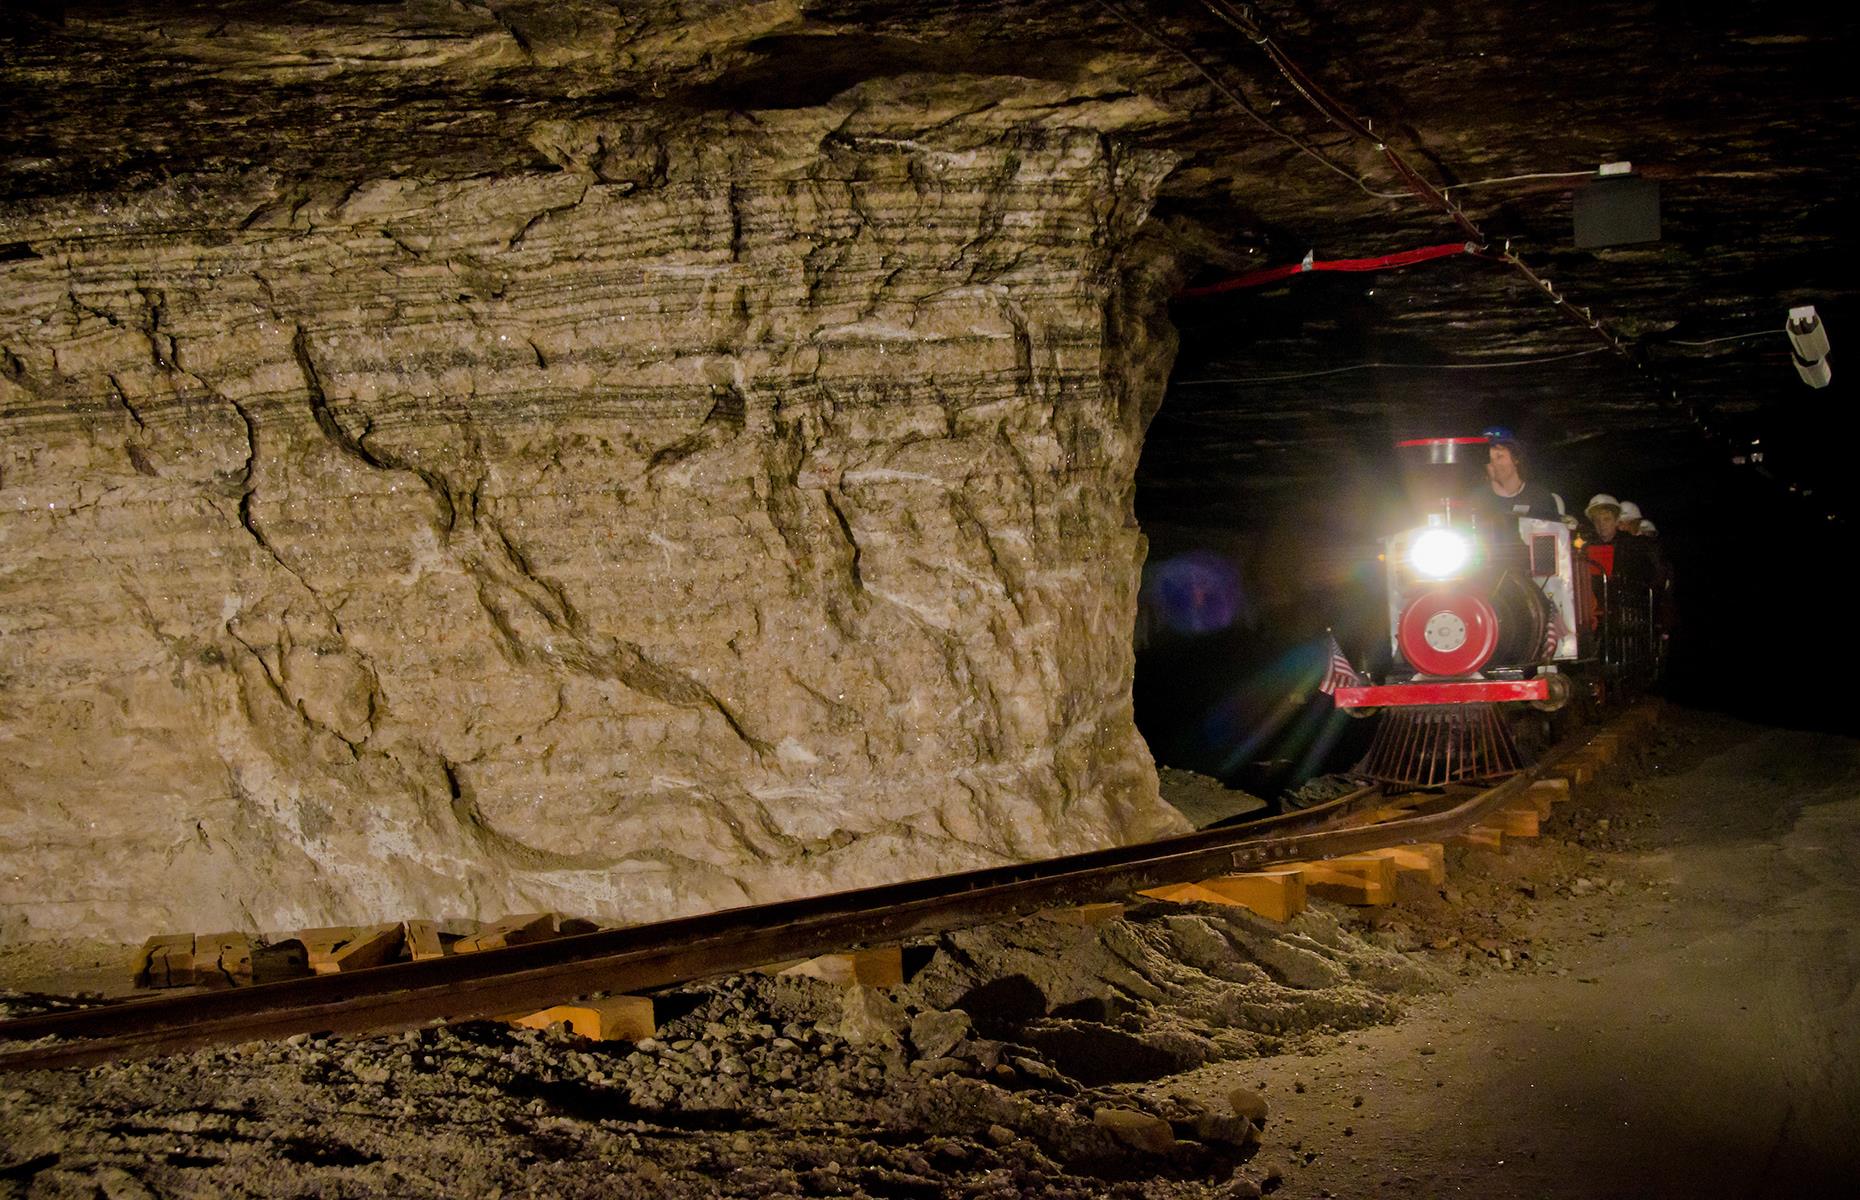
1498 433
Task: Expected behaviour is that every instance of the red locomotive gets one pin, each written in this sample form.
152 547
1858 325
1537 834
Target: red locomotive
1487 612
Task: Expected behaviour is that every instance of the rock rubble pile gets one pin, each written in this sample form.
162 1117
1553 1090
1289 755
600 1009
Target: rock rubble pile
997 1070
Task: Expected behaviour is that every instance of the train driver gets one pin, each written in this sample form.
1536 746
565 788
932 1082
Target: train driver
1508 494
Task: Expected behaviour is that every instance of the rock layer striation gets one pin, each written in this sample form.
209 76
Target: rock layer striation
699 508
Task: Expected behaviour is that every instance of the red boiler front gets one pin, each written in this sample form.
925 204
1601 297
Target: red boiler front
1447 633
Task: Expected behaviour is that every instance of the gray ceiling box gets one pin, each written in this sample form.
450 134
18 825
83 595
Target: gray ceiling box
1617 210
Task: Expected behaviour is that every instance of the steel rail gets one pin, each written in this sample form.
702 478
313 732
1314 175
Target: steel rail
637 958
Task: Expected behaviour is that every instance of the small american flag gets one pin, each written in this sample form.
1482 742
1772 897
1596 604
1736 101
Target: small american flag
1340 673
1553 634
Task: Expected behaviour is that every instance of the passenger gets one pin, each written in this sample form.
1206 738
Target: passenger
1637 560
1641 556
1508 495
1604 513
1647 542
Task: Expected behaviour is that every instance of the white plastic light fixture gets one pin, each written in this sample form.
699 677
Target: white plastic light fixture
1440 553
1808 339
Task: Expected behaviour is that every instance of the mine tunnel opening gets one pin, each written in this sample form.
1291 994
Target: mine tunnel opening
1257 497
1267 480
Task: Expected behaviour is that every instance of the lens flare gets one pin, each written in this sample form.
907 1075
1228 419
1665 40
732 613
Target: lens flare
1197 592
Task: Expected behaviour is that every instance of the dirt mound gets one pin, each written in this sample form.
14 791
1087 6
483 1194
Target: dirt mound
995 1071
1203 799
1320 789
1166 989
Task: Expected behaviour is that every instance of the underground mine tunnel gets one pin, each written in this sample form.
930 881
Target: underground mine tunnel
827 597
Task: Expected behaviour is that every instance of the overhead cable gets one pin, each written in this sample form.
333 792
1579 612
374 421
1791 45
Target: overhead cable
1392 366
1472 183
1653 172
1383 262
1733 337
1244 106
1339 115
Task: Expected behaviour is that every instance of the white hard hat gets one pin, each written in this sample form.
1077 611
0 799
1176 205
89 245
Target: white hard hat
1630 511
1602 500
1647 527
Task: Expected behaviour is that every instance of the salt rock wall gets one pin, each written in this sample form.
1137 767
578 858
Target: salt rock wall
739 508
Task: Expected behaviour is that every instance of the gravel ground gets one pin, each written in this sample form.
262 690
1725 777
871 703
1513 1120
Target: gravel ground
996 1071
1145 1057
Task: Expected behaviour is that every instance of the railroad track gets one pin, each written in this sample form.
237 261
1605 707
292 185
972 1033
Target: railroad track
646 957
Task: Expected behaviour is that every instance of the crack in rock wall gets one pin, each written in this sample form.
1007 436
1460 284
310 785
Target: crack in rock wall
740 509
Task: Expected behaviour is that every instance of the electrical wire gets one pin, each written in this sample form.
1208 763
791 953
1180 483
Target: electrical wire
1472 183
1240 102
1650 172
1734 337
1382 262
1391 366
1343 118
1336 113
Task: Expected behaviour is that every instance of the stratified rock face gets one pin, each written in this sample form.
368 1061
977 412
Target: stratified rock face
739 509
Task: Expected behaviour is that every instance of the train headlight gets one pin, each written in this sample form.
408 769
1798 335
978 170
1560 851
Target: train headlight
1440 553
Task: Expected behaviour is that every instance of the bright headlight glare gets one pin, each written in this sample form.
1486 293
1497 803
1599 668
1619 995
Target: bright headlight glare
1438 553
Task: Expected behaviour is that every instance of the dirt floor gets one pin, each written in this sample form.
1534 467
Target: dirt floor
1657 998
1691 1027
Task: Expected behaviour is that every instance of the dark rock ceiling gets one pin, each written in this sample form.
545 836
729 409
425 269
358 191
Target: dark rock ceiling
1745 113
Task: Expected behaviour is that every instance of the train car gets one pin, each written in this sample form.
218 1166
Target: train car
1487 615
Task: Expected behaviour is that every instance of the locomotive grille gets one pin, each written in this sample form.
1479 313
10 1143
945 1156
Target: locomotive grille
1437 744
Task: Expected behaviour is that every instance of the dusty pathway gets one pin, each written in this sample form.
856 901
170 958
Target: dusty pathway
1703 1041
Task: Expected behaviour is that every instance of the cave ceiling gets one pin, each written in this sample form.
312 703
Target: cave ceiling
1743 112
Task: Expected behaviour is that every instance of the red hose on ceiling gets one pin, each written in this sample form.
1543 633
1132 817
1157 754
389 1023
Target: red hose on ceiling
1405 258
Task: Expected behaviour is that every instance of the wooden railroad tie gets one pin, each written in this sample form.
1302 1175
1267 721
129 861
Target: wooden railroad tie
1480 837
877 967
423 941
234 959
1518 822
165 960
1546 794
1376 816
1084 914
608 1019
511 931
223 960
1574 771
1424 860
1277 895
1362 879
1368 878
351 948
